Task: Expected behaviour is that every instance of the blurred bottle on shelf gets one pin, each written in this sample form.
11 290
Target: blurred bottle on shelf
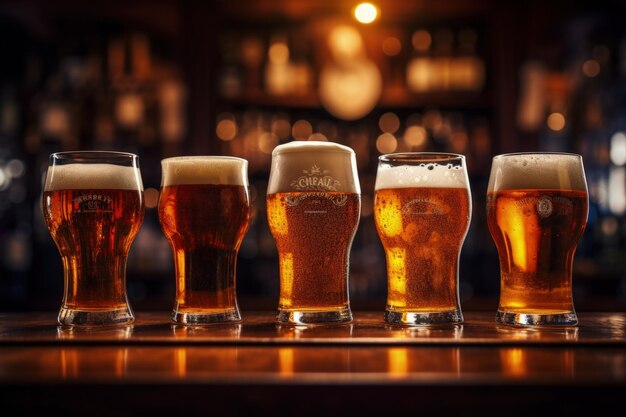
467 69
439 64
419 67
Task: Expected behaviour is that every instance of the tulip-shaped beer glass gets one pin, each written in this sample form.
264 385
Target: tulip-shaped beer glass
537 207
93 206
313 210
204 210
422 209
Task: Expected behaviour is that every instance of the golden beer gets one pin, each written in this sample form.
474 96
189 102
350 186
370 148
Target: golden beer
314 271
537 211
422 209
93 206
204 210
313 210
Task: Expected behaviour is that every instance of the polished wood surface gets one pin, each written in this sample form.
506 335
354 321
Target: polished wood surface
155 368
260 328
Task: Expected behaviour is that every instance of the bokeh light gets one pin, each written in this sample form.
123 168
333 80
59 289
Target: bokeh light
556 121
365 13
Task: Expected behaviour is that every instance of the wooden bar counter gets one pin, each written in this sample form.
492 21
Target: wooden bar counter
154 368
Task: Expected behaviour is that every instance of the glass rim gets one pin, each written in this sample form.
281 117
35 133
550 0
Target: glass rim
538 153
306 146
203 158
421 157
93 153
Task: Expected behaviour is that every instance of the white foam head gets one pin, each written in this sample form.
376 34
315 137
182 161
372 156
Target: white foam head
216 170
422 171
537 171
313 166
81 176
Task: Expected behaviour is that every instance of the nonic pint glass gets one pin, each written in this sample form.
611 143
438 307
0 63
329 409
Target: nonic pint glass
204 210
313 210
537 208
93 206
422 210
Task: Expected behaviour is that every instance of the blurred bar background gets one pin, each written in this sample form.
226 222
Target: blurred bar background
164 77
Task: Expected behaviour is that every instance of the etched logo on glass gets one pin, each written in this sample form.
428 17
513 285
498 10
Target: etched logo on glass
422 206
90 203
315 178
544 207
337 199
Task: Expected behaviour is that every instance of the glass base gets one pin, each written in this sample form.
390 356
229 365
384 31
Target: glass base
225 316
423 318
73 317
527 319
341 315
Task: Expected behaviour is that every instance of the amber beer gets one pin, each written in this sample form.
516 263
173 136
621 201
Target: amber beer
537 211
204 209
93 206
422 210
313 210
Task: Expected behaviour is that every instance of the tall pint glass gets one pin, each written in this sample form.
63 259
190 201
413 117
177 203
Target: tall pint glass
422 209
93 206
313 210
537 207
204 210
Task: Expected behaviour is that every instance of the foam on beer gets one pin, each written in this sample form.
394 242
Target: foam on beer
421 175
537 171
92 176
302 165
216 170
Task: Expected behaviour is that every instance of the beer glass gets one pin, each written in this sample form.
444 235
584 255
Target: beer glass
537 207
422 210
93 206
313 210
204 210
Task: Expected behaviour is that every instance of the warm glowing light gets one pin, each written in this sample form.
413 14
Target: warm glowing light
392 46
285 360
389 123
287 273
421 40
386 143
389 222
519 226
151 197
398 362
514 362
591 68
301 130
365 13
226 129
433 120
556 121
279 53
267 142
319 137
415 136
130 110
281 127
345 43
396 267
609 226
618 149
617 194
277 220
181 362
